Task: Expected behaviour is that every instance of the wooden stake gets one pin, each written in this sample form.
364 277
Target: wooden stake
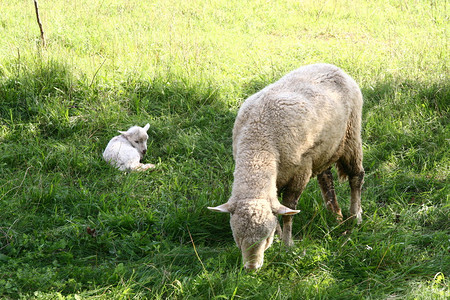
39 23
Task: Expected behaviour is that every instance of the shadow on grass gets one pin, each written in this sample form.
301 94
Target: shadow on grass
25 95
405 135
54 125
139 215
433 95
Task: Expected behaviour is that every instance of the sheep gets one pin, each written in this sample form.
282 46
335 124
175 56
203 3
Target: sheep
127 149
285 134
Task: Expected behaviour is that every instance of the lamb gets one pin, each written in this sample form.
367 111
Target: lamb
285 134
127 149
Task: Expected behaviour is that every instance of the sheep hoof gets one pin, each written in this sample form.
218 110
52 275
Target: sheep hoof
355 219
288 243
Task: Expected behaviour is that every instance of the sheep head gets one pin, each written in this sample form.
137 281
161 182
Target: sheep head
253 223
137 136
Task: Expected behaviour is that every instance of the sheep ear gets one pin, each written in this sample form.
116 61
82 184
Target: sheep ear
146 127
224 208
122 132
286 211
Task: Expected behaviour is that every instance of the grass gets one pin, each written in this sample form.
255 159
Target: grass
73 227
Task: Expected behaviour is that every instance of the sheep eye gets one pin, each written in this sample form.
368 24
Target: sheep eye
137 142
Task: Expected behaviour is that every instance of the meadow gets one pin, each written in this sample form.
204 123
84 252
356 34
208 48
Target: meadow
73 227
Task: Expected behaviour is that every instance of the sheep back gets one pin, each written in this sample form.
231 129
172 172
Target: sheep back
306 121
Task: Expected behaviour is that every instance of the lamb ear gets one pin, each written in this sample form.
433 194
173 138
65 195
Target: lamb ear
224 208
122 132
286 211
146 127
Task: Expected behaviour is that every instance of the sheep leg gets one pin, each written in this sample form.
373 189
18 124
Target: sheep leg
329 196
291 195
356 183
355 173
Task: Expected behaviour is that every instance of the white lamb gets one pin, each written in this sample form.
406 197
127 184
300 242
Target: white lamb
127 149
285 134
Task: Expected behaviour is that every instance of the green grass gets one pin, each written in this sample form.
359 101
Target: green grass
73 227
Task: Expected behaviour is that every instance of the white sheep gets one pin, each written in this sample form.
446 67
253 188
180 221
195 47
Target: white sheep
127 149
287 133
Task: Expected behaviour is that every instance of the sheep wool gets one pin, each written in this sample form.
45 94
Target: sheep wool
285 134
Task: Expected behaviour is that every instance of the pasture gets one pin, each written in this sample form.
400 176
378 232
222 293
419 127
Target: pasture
73 227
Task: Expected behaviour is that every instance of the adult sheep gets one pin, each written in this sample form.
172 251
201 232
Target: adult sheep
290 131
